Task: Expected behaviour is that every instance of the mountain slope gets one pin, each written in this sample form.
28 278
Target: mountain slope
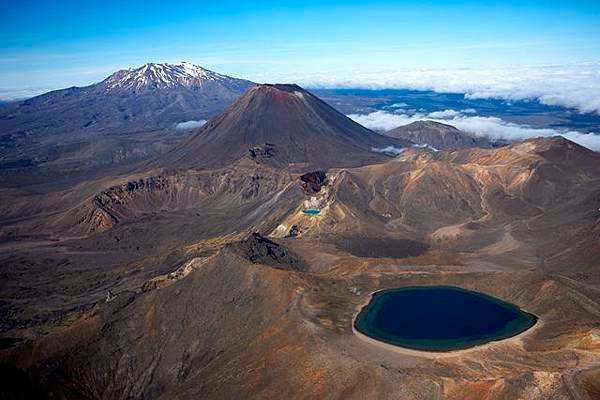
189 258
121 118
543 193
283 124
437 135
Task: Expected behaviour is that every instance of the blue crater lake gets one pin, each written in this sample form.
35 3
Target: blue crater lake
440 318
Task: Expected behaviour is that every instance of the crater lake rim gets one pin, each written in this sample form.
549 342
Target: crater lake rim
448 328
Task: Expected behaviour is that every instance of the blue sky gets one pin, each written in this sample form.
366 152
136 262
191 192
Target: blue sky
52 44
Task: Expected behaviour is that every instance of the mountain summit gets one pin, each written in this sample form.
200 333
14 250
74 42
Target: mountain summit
285 124
153 76
437 135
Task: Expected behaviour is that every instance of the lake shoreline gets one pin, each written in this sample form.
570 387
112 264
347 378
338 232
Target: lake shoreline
512 340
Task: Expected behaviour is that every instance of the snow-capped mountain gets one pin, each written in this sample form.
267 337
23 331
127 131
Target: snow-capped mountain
121 117
165 76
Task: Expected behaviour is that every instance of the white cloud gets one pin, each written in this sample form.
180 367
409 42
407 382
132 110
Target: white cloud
491 127
425 146
497 128
384 121
589 140
573 86
444 114
388 150
397 105
190 124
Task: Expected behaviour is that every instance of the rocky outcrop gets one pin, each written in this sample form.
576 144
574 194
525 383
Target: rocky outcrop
261 250
265 151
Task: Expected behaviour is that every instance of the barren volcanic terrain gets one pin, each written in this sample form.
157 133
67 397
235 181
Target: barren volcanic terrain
199 274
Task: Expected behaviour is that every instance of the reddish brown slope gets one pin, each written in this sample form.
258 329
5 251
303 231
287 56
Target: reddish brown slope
284 124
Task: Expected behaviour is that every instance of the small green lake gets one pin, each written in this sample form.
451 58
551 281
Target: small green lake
312 211
440 318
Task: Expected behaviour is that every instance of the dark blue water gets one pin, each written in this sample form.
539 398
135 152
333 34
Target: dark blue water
440 318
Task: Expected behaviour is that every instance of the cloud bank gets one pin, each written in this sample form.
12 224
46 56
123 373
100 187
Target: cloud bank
190 124
572 86
490 127
21 94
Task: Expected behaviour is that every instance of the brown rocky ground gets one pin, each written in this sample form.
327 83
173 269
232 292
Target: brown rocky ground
201 308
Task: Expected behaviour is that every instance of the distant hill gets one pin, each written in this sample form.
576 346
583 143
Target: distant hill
437 135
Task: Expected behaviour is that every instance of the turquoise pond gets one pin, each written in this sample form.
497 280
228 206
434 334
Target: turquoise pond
311 211
440 318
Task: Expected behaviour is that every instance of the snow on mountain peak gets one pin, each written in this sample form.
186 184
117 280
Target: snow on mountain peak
161 76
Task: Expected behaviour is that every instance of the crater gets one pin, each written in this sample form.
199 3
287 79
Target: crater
440 318
380 247
312 182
